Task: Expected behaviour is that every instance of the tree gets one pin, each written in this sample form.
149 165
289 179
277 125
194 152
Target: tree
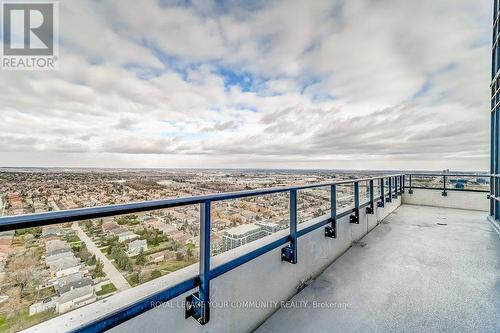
98 270
175 245
88 225
23 271
84 254
121 258
144 276
92 261
112 243
179 256
134 278
141 258
189 250
128 219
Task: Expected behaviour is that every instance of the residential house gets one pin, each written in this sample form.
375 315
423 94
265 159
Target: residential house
75 298
156 257
111 228
75 284
58 255
64 266
180 237
46 304
126 235
52 231
135 247
56 246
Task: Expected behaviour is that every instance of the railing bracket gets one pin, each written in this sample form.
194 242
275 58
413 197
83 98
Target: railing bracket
331 230
354 218
371 208
380 204
197 309
410 191
444 194
287 254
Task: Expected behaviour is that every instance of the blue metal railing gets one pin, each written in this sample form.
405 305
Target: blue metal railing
446 177
197 304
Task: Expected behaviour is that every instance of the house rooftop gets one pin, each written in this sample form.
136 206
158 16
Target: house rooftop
242 229
75 294
74 285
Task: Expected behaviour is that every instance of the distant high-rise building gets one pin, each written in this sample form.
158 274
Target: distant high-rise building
246 233
268 227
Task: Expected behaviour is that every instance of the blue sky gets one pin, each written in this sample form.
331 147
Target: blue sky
298 84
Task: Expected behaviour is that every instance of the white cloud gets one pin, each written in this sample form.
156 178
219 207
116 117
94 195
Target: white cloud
351 84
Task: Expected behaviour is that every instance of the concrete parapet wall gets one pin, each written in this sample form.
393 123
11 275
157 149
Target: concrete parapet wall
264 280
453 199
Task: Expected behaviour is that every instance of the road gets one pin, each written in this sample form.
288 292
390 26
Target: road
111 271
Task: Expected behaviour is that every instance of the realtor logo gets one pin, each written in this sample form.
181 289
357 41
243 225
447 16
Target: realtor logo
29 35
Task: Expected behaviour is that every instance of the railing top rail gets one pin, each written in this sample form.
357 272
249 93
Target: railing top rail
79 214
437 174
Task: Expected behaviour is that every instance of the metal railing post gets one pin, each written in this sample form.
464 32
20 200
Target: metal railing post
410 191
355 217
289 253
371 209
198 304
389 183
444 193
396 187
381 204
331 230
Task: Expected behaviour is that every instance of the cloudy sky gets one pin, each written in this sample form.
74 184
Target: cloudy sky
359 84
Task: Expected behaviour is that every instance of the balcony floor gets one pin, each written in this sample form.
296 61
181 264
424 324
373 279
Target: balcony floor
408 274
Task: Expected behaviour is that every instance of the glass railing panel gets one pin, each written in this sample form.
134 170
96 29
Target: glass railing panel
313 203
241 221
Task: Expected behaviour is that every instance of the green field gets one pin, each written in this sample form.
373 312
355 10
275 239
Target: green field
106 289
18 320
173 265
73 239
